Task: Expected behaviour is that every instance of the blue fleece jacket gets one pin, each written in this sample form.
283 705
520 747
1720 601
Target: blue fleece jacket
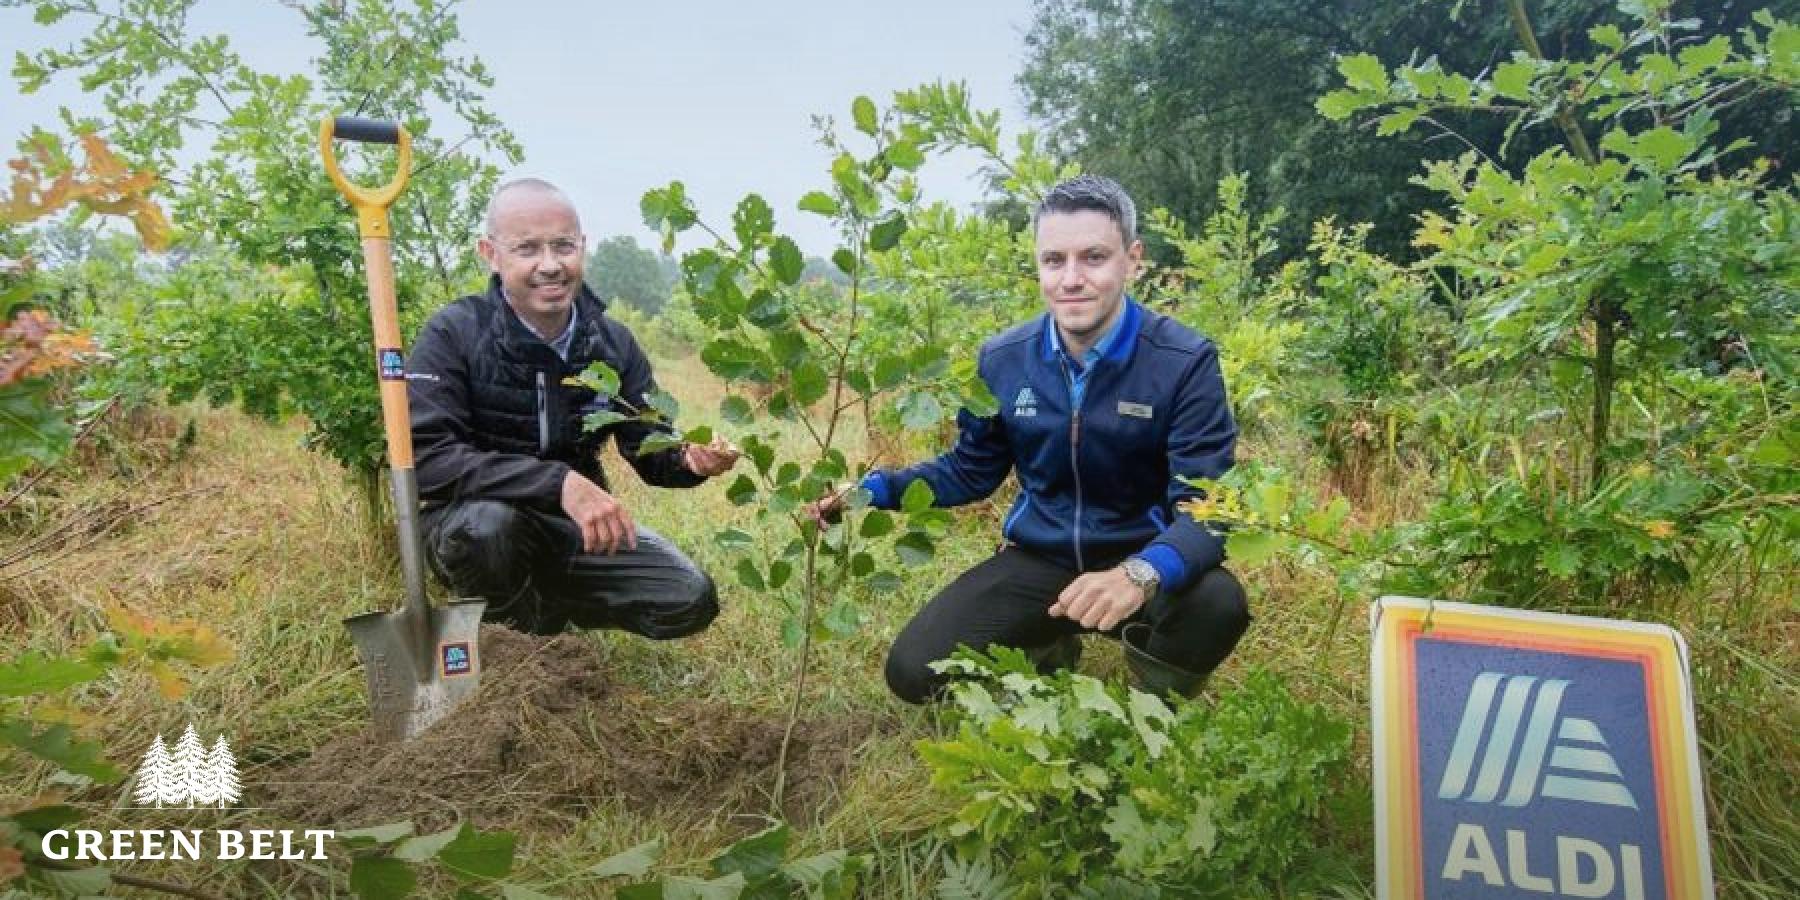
1097 477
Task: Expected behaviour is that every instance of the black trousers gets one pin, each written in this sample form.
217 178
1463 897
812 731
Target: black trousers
1006 600
528 565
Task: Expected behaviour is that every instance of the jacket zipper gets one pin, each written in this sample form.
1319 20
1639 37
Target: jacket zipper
1075 456
543 413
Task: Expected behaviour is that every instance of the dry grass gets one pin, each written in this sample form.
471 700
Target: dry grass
265 542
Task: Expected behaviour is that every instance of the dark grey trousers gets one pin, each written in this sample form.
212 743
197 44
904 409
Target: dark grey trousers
528 565
1006 600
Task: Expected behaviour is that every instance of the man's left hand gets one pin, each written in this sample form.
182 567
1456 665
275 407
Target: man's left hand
1099 600
715 458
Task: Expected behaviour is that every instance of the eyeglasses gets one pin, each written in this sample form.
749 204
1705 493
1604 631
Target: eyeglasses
563 247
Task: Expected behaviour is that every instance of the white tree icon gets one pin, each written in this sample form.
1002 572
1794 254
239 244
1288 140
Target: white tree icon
189 774
189 762
156 775
221 766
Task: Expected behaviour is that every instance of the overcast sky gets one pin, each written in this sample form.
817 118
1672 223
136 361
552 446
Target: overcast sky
609 99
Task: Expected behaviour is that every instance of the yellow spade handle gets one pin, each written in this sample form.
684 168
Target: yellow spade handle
371 214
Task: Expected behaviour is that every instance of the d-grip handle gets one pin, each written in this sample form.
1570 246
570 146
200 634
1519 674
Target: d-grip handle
371 203
367 131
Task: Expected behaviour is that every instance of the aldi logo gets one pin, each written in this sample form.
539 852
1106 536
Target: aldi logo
1025 403
1575 767
1521 753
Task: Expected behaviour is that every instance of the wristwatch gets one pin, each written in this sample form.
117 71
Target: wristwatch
1142 574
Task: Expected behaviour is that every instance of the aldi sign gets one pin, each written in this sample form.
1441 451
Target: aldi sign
1527 754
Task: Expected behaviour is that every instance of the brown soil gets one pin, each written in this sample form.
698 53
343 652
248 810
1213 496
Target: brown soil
548 736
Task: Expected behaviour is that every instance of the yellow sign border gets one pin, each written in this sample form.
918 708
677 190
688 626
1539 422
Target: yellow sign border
1396 621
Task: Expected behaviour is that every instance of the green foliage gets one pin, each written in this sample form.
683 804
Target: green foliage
34 721
1063 780
756 867
1171 96
1219 285
387 860
808 352
262 194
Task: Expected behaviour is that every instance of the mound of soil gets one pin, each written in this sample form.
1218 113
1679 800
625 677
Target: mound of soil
549 733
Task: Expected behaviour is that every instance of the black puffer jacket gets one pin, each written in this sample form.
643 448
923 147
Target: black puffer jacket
492 418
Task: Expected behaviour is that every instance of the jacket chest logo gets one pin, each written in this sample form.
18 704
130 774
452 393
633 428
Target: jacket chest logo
1025 404
1134 410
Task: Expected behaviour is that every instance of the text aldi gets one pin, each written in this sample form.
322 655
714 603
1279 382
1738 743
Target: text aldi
1526 754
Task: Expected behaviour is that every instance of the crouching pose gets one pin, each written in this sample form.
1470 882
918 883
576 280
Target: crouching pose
516 508
1103 405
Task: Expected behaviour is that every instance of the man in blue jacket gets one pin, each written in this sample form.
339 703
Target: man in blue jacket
1103 404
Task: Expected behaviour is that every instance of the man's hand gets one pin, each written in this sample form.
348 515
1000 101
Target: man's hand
1099 600
827 509
605 525
715 458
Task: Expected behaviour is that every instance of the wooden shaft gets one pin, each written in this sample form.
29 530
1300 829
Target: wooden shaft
390 365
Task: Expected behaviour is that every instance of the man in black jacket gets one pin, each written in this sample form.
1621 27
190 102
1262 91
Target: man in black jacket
516 508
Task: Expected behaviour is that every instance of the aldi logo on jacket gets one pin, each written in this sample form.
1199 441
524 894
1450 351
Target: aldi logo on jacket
1097 477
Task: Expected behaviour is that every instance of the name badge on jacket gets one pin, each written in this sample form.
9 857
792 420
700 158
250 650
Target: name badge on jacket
1135 410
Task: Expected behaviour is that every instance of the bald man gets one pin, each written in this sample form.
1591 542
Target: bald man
516 507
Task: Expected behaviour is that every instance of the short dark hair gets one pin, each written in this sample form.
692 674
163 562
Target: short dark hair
1095 192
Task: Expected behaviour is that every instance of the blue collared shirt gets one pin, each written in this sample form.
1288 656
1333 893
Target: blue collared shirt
1077 371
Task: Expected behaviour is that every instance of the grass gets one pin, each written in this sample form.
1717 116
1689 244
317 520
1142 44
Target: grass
265 542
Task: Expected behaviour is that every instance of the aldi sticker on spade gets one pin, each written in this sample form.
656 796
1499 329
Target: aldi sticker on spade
1525 754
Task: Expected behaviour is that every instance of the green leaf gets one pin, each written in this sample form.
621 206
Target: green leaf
92 881
917 497
731 359
659 442
1561 560
882 583
920 411
58 744
819 202
915 548
475 854
861 564
1147 712
597 420
1397 121
1513 79
43 819
750 576
779 573
1364 72
755 857
36 673
1252 546
381 878
862 112
599 378
734 539
682 887
735 410
1340 105
752 220
809 384
786 261
904 155
424 847
877 523
1090 694
885 235
664 404
632 863
844 260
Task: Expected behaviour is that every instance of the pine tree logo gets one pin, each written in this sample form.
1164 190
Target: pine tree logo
189 775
